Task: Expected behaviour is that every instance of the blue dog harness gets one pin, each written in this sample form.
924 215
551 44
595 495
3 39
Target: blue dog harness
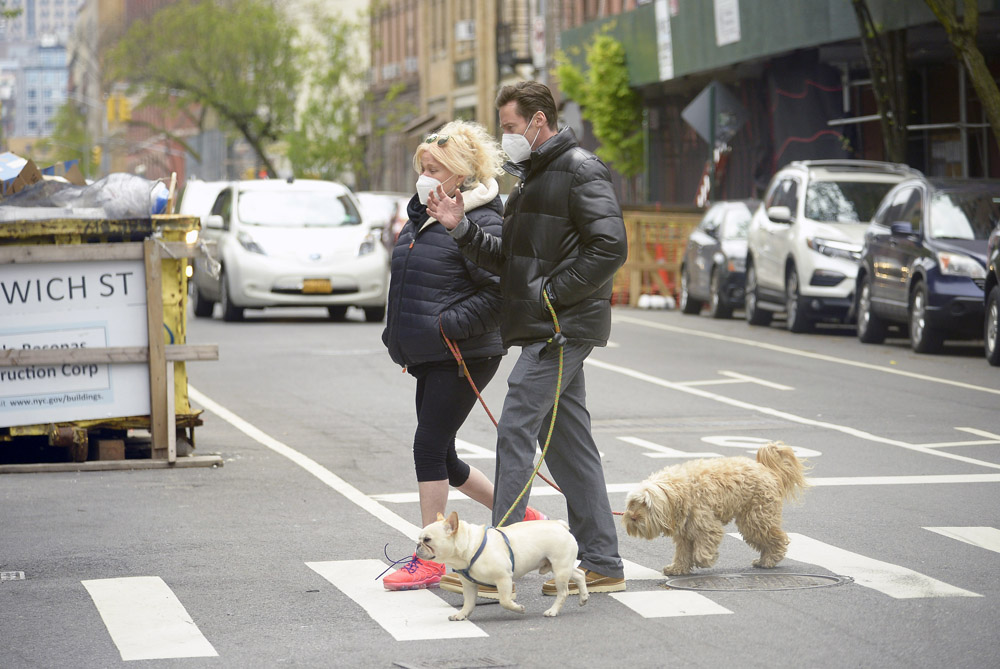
465 572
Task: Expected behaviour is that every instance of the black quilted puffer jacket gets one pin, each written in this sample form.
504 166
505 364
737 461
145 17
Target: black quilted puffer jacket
563 225
432 280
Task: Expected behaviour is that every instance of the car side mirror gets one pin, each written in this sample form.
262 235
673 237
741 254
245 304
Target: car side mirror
213 222
780 214
901 228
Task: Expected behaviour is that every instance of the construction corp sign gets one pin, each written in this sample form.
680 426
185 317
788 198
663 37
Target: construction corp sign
72 305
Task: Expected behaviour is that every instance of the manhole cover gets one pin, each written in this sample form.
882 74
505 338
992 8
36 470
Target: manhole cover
772 581
11 575
467 663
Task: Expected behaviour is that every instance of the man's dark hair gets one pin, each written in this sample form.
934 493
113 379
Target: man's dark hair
531 97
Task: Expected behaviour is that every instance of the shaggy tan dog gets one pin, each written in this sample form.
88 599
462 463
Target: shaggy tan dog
693 501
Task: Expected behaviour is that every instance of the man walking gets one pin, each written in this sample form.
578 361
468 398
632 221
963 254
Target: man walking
563 239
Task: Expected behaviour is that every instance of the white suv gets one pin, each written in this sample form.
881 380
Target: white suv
805 239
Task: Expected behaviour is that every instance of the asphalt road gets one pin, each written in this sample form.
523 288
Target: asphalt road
272 559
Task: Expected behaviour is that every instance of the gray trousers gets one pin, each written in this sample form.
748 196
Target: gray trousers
572 458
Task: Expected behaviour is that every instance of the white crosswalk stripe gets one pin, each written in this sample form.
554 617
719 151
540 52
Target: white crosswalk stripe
669 604
893 580
981 537
146 620
409 615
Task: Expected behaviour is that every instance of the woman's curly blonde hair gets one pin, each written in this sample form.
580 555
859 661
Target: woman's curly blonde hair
469 150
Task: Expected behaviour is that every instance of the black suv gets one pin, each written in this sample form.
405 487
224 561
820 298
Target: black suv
923 263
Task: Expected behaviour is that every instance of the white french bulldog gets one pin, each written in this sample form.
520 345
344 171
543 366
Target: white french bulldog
545 545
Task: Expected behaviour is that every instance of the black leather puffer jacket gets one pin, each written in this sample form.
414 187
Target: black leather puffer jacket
563 225
431 279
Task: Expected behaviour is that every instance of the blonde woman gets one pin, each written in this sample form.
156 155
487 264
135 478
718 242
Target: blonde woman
434 287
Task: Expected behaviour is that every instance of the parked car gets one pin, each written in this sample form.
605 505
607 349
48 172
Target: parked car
291 243
712 269
805 239
385 210
991 293
924 261
198 197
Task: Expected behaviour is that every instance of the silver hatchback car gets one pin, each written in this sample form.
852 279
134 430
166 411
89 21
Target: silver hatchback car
290 243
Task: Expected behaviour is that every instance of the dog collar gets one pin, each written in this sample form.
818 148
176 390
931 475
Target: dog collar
465 572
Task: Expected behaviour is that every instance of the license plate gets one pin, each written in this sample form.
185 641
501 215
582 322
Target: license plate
317 286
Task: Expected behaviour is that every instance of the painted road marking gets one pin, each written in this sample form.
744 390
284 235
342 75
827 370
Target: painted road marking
768 411
658 451
146 620
408 615
893 580
735 377
830 481
470 451
981 537
669 604
619 318
319 471
753 444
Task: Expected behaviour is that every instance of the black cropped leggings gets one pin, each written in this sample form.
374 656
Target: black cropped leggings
444 401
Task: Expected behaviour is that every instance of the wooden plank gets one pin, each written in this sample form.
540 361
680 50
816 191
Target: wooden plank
86 252
158 390
114 354
70 252
171 421
113 465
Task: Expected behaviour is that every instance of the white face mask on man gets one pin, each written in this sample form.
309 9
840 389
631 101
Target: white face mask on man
516 146
425 184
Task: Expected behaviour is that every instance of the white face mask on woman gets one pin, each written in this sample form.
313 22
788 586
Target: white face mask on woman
516 146
425 184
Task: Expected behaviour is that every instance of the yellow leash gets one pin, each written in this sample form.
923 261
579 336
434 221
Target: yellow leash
559 340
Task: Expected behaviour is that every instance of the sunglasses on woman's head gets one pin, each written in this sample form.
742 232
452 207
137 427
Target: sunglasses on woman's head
440 139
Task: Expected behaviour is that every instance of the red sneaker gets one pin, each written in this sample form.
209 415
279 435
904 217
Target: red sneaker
415 575
534 514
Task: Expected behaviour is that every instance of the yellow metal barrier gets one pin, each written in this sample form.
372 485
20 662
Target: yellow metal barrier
167 228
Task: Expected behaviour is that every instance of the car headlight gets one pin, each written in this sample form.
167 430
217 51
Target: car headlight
834 249
368 245
247 242
956 264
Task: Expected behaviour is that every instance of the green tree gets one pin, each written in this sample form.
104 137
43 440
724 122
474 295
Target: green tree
324 143
607 101
70 140
962 31
9 13
239 58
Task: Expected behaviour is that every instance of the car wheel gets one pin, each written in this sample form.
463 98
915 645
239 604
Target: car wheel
798 320
992 325
754 315
202 307
871 328
230 312
923 337
374 314
718 306
688 305
337 312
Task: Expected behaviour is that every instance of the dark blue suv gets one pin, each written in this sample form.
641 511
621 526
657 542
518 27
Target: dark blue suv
923 264
992 292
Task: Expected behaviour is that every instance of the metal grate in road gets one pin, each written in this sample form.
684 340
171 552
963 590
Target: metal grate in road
751 581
